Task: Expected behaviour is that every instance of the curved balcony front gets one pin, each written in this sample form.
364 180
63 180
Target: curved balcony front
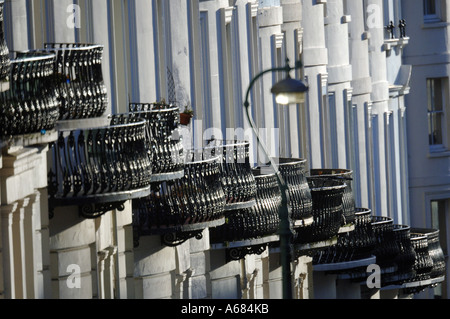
348 200
99 168
327 210
237 179
405 258
29 109
79 83
353 251
250 230
293 172
182 208
429 264
166 141
394 251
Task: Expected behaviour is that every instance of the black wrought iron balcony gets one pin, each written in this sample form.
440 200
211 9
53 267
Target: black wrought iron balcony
351 246
294 175
386 248
249 230
237 179
405 258
182 208
166 141
30 104
81 90
423 264
428 244
353 252
394 251
429 266
5 61
348 200
436 253
327 211
100 168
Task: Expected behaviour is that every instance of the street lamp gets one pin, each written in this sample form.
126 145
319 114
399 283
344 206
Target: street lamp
287 91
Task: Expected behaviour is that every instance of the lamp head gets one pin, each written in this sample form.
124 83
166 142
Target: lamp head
289 91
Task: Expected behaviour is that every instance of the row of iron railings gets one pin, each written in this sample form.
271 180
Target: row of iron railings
178 193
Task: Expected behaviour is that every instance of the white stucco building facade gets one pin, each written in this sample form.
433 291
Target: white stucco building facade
204 54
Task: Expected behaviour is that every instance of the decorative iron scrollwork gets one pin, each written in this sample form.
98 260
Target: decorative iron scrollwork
237 253
166 141
95 210
109 161
237 179
294 175
178 206
81 90
327 211
348 200
30 104
178 238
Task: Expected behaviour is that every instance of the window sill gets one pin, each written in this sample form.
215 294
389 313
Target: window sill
439 153
434 24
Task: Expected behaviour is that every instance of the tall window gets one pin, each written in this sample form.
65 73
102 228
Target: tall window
436 112
431 10
429 7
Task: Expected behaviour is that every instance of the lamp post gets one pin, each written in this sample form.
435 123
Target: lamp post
287 91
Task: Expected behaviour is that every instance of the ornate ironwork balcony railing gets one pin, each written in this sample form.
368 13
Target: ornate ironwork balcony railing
348 200
262 219
406 257
386 248
30 104
250 230
237 179
79 80
5 61
394 251
166 142
327 210
423 264
293 172
429 264
182 208
355 245
100 165
436 254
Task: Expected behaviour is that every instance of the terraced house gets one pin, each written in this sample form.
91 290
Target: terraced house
223 149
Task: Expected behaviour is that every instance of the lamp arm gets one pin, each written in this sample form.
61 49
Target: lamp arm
287 68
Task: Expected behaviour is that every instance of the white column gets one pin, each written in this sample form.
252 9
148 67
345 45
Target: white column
16 25
271 38
125 254
339 79
380 99
179 45
8 273
209 10
154 266
42 250
315 59
292 18
144 51
60 13
362 88
72 247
